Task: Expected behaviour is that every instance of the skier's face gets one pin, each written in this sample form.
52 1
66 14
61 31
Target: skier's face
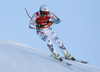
44 14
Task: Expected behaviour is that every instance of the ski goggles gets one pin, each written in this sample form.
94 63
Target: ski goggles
44 12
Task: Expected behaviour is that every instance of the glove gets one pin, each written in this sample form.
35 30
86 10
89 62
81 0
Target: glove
50 22
57 21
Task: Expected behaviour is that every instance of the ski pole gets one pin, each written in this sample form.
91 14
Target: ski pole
29 17
27 13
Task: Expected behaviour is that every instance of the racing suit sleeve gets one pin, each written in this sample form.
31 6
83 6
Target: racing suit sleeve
54 18
32 21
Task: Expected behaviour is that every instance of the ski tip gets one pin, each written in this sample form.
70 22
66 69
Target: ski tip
85 62
68 64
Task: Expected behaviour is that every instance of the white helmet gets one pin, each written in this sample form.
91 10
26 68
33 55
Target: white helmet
44 8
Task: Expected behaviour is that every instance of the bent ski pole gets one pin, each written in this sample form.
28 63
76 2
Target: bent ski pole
27 13
29 17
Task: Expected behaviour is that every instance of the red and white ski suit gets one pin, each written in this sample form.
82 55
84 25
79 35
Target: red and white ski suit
46 34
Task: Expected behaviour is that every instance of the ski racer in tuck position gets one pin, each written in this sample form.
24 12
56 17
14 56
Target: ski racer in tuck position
45 32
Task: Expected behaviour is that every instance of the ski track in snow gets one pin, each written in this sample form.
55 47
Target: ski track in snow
18 57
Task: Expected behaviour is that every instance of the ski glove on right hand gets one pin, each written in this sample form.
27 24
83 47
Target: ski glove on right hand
50 22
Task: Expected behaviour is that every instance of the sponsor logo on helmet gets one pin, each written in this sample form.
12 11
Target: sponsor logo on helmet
45 8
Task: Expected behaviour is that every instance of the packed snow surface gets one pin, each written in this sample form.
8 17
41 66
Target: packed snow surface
17 57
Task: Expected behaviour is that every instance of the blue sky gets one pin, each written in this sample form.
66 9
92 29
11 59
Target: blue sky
79 31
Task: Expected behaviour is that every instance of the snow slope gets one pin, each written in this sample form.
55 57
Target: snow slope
17 57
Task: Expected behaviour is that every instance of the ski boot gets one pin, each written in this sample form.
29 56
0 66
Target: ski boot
68 56
57 56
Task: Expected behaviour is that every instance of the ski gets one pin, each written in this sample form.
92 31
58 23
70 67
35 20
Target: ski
77 60
64 62
84 62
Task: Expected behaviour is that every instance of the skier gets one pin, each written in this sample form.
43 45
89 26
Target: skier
45 32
